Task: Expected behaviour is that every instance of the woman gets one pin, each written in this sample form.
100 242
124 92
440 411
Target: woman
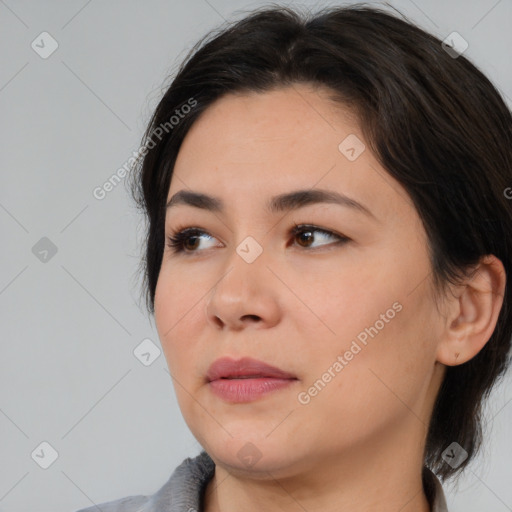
328 243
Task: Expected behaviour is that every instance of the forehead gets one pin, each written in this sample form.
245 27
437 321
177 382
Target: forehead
258 145
291 119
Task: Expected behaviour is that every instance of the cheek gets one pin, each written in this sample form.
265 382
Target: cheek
177 310
344 303
178 296
382 380
394 367
381 329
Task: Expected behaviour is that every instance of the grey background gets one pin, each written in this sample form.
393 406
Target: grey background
70 324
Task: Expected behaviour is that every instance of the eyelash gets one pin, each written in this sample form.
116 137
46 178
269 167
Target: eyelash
176 240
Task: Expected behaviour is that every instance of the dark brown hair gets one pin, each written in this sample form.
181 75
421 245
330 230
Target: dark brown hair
434 122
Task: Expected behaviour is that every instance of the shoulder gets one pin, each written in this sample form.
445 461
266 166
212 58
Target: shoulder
182 491
128 504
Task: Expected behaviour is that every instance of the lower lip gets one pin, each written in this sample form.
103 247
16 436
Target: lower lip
247 390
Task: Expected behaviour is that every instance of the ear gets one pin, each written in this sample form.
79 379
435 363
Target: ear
472 314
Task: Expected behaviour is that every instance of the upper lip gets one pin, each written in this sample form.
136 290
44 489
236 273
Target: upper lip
226 367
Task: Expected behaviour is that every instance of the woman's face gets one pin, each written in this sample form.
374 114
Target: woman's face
353 321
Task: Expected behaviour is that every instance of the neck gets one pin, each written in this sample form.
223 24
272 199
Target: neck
382 474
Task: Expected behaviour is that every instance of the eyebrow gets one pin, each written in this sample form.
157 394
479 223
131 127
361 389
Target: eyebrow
280 203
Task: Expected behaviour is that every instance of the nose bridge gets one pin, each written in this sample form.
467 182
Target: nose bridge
243 270
245 289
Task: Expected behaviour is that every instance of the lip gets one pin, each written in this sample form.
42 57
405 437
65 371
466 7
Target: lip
226 367
246 379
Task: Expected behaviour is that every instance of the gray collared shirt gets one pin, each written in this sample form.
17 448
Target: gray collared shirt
184 490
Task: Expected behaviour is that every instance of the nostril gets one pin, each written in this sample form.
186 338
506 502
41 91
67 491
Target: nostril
218 321
251 317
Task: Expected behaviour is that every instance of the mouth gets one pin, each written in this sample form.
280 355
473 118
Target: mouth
248 377
245 368
246 380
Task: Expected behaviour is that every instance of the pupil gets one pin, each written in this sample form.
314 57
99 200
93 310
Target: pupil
187 245
305 236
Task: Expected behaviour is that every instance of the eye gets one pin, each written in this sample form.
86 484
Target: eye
187 240
305 231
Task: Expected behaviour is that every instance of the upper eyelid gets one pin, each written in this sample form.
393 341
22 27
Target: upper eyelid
296 227
197 229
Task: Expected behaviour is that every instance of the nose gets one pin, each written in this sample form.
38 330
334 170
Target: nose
245 296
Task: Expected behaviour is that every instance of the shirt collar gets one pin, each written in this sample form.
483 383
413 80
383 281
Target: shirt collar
434 491
185 488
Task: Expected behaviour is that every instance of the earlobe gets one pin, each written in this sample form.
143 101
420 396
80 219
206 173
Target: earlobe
473 314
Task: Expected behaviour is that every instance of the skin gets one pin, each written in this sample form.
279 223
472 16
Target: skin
357 444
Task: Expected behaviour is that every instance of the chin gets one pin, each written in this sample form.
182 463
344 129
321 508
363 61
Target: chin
252 455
